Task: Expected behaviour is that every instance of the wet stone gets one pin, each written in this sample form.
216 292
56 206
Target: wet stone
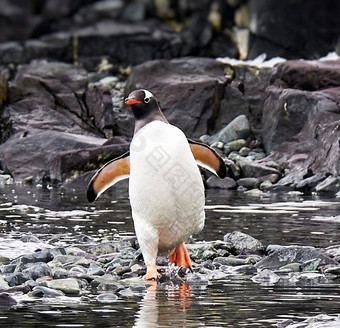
226 183
3 284
127 292
243 243
7 300
41 291
107 298
236 145
230 261
69 286
333 270
95 270
310 265
248 183
37 270
15 279
121 270
107 283
59 273
30 238
293 254
291 267
266 277
244 151
197 279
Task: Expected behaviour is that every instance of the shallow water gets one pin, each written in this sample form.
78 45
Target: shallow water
235 301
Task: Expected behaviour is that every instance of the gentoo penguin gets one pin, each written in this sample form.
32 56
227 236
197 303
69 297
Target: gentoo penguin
165 185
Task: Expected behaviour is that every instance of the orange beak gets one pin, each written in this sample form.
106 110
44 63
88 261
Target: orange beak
131 101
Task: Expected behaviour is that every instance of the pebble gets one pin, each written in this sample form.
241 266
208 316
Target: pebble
265 185
69 286
7 300
248 183
236 145
41 291
244 151
95 270
127 292
107 298
266 277
3 285
243 243
230 261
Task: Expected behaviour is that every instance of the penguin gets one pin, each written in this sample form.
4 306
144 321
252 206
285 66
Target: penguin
166 190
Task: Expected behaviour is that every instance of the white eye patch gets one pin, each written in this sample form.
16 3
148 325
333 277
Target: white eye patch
148 96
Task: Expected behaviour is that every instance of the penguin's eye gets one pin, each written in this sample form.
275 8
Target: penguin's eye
146 100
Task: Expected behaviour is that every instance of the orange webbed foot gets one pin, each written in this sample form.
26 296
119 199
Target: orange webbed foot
151 272
180 257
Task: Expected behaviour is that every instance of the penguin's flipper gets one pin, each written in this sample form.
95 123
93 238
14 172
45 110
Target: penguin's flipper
208 158
116 170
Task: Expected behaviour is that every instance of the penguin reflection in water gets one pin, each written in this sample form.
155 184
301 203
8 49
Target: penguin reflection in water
165 185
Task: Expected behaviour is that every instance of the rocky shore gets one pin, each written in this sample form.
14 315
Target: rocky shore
106 271
276 128
63 82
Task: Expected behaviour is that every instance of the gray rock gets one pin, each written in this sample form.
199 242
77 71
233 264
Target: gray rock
3 284
293 254
248 183
59 273
95 270
330 184
107 298
30 238
291 267
236 145
272 248
7 300
38 270
333 270
16 279
254 169
311 182
5 179
316 146
127 292
197 279
215 182
272 178
265 185
69 286
266 277
243 243
244 151
41 291
107 283
230 261
238 128
310 265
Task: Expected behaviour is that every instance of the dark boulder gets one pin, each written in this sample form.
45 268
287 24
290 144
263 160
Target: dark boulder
316 147
293 254
309 75
7 300
34 155
49 96
293 28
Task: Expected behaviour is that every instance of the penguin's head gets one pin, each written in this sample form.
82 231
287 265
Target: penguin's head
142 102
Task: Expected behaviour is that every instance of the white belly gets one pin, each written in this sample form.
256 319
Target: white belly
165 187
